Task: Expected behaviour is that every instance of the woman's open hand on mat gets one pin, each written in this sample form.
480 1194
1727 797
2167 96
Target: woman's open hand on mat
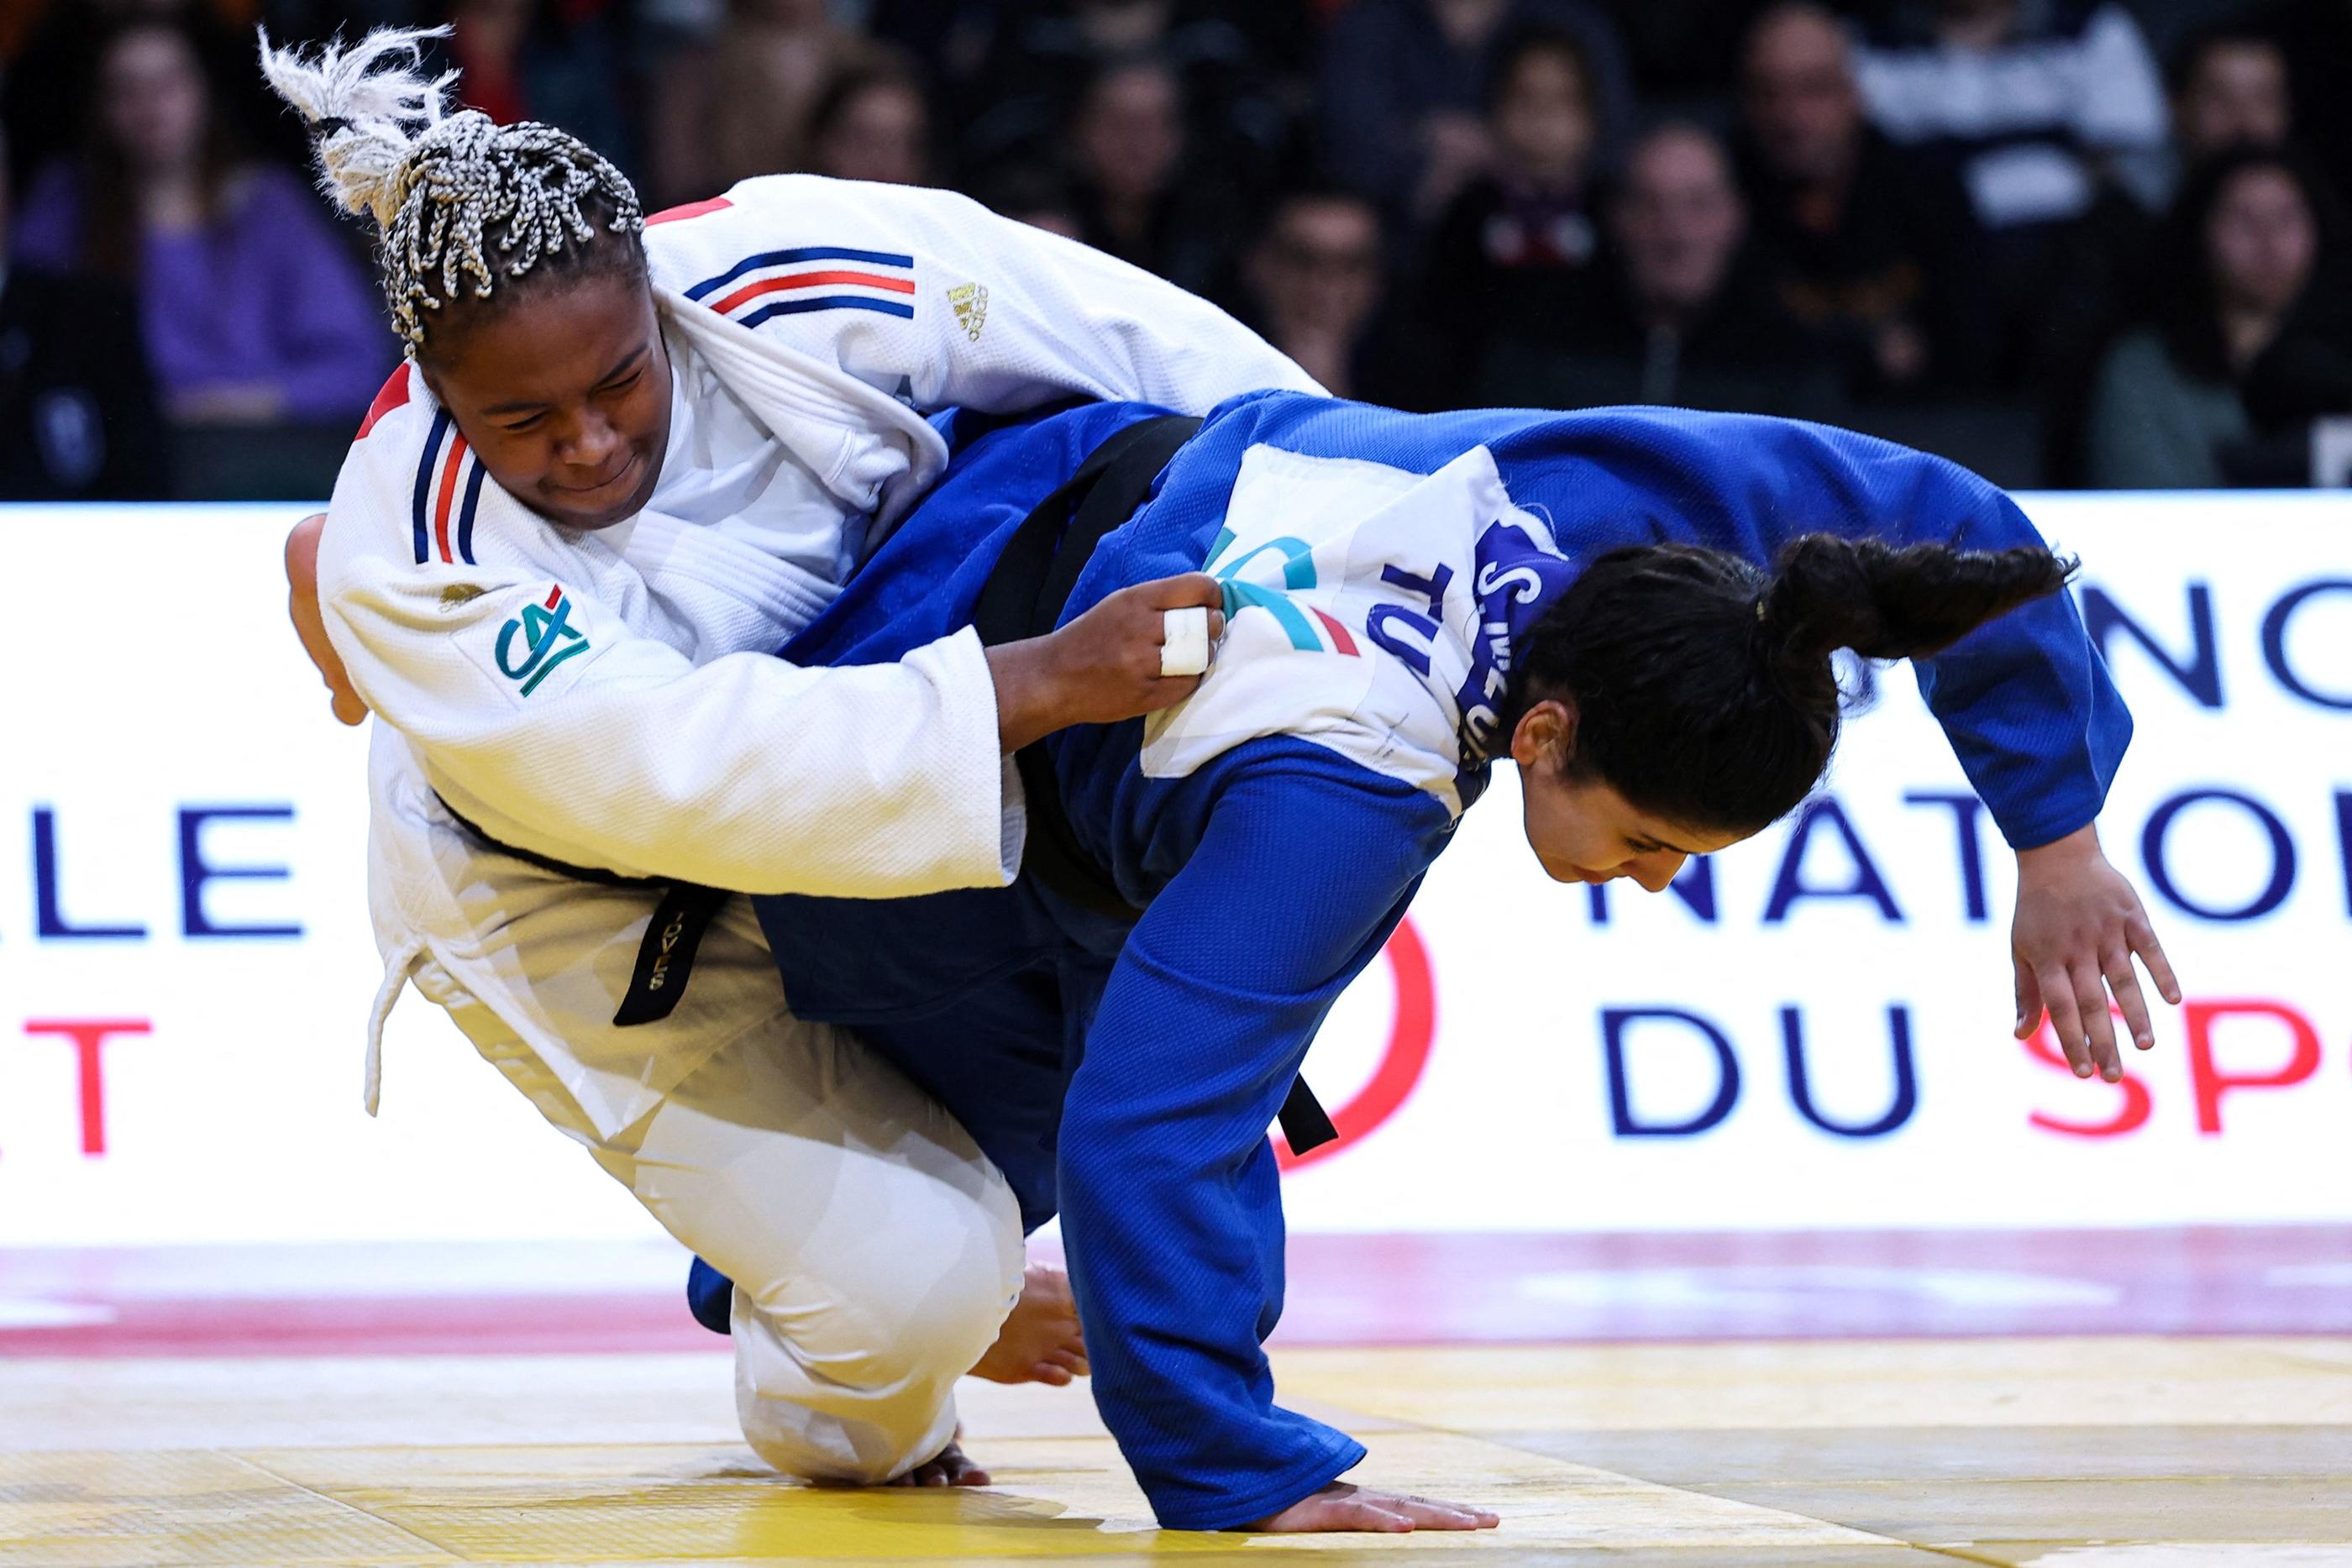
2079 925
302 603
1102 667
1340 1505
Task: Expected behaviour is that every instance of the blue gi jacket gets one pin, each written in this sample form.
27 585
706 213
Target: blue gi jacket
1127 1078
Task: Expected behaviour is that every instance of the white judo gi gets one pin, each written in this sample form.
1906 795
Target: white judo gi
609 699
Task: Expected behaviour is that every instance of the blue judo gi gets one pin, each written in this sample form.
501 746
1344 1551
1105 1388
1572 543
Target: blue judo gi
1379 566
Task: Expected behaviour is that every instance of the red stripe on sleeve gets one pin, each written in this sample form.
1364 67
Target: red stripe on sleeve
813 281
457 460
691 210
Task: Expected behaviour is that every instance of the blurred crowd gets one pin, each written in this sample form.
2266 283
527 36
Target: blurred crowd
2068 242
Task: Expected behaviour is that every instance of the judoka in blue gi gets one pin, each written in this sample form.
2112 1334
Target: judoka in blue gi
1637 606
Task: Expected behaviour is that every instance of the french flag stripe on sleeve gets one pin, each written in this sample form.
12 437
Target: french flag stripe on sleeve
449 467
812 278
446 462
465 517
422 499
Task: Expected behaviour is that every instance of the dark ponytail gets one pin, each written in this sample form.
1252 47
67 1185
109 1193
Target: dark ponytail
1703 688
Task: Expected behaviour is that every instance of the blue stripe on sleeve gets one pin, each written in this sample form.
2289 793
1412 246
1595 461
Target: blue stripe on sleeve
466 515
425 483
828 302
786 258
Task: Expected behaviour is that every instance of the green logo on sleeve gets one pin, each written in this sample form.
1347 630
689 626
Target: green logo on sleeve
549 638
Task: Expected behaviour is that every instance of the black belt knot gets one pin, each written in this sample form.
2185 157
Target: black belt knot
665 954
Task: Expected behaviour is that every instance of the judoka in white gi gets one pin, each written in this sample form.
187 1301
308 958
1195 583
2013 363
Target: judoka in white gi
627 459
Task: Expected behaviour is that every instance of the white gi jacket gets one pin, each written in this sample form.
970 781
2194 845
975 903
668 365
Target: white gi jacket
610 699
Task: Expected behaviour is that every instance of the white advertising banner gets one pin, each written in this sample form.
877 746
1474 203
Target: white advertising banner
1810 1030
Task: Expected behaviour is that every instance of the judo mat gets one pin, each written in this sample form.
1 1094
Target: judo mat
2087 1401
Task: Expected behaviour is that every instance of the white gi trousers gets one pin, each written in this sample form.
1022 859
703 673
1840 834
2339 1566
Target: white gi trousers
876 1251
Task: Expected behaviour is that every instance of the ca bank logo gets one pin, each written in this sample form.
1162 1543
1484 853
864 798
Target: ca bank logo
1298 573
548 637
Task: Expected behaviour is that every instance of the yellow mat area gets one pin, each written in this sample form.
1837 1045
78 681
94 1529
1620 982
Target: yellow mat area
2076 1454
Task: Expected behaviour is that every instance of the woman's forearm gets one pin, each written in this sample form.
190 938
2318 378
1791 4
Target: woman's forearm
1100 668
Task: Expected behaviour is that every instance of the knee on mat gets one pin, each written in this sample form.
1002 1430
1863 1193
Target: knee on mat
862 1346
933 1336
819 1450
813 1423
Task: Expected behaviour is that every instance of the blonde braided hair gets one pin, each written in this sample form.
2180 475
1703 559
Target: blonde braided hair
457 198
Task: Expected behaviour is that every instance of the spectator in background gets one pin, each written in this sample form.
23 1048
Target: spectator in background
1010 73
2033 102
1135 197
1862 243
1400 85
2229 90
2227 87
2247 341
1521 236
253 311
539 59
48 64
742 104
2315 38
873 124
1035 195
1685 321
2038 106
1315 284
76 413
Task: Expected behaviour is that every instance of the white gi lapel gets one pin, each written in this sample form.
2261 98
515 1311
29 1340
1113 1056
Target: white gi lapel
869 450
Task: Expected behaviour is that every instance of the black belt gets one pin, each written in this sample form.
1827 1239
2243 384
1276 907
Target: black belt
666 956
1023 596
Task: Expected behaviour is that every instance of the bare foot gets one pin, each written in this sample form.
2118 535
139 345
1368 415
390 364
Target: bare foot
1040 1342
949 1468
1340 1505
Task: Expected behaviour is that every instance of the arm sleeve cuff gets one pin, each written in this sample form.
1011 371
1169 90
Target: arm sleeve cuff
1013 822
